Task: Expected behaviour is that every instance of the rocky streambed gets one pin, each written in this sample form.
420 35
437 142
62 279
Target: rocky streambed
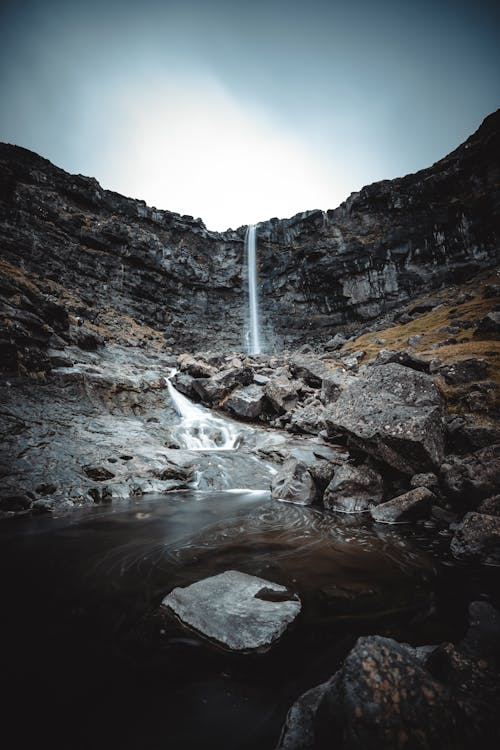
342 490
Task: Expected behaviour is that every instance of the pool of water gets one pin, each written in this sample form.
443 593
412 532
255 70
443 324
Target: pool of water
90 660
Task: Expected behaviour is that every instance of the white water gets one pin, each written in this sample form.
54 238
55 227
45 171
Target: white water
253 301
199 429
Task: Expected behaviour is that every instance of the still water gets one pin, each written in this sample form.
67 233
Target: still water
91 661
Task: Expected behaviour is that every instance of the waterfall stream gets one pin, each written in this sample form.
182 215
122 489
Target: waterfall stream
199 428
254 346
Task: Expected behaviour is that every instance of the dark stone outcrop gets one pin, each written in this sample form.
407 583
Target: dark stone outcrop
474 477
294 483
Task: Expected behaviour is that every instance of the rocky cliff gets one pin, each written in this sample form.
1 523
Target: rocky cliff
318 271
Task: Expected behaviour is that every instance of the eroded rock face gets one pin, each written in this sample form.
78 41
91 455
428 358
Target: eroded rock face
320 270
393 413
239 611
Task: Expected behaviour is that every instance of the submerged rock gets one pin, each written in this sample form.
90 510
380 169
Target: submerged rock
237 610
353 489
294 483
393 413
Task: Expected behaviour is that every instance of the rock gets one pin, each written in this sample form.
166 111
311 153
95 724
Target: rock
333 384
473 477
215 388
239 611
489 326
382 697
336 342
411 506
294 483
353 489
393 413
298 732
282 394
247 402
98 473
307 419
465 371
477 539
87 339
428 480
490 506
426 306
310 369
195 367
402 357
415 340
184 384
463 435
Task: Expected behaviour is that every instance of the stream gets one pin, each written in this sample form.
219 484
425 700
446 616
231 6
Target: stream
90 660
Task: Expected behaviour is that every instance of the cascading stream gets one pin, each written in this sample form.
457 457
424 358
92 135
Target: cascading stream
254 346
200 429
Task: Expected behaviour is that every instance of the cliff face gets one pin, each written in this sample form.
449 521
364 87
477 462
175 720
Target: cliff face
317 271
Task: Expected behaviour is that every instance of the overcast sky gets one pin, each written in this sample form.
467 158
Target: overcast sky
240 111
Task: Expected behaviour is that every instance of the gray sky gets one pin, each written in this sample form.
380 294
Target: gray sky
237 112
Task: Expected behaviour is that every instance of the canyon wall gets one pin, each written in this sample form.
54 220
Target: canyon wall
318 271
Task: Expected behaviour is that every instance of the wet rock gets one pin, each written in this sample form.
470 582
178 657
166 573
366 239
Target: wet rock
411 506
478 539
383 697
353 489
98 473
235 610
393 413
247 402
197 368
214 389
282 394
299 732
489 326
294 483
183 382
472 478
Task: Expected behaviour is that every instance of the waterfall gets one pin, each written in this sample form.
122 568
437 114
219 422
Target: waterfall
253 302
199 429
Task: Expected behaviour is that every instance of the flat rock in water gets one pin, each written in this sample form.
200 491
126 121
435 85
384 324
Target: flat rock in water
237 610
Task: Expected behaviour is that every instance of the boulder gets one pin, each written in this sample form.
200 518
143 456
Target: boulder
402 357
381 697
465 371
239 611
393 413
464 435
246 402
336 342
281 393
428 480
490 506
310 369
294 483
474 477
353 489
308 419
489 326
333 384
477 539
411 506
215 388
